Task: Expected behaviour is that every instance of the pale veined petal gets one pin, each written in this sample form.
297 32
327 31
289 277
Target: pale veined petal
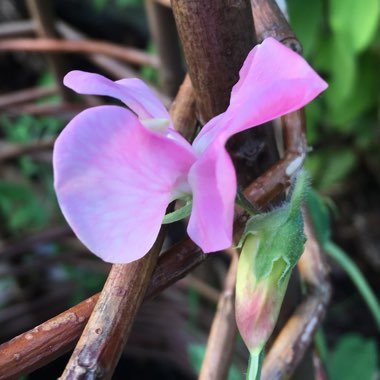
274 81
114 180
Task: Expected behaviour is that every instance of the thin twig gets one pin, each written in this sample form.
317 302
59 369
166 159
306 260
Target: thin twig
111 66
221 339
183 110
28 242
270 22
22 96
165 3
9 151
130 55
164 34
172 266
17 28
64 110
43 15
27 352
278 178
201 287
101 344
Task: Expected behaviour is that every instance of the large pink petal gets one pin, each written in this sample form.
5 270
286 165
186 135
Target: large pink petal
132 91
274 81
213 182
114 180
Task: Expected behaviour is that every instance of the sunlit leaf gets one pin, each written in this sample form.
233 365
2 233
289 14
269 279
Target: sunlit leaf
338 61
356 21
361 98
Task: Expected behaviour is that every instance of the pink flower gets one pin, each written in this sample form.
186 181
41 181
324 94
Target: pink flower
116 171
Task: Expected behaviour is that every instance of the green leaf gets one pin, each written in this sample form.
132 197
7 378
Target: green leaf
99 5
320 216
306 18
329 167
337 59
356 21
354 358
313 116
356 277
364 96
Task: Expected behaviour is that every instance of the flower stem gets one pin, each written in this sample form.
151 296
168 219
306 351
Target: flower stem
245 204
357 278
255 365
179 214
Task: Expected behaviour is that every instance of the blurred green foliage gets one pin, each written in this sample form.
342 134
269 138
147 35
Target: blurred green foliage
99 5
341 41
197 353
27 199
360 353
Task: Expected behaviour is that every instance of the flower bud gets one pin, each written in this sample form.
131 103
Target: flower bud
258 301
272 244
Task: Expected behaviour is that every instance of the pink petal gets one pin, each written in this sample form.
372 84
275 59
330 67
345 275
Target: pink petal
132 91
213 182
114 180
274 81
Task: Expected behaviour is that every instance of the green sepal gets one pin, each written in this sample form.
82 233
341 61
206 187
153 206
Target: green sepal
279 233
179 214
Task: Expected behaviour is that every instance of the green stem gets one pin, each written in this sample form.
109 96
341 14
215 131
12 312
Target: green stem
255 365
298 191
321 344
245 204
179 214
357 278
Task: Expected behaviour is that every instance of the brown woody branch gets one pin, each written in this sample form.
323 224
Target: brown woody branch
9 151
42 13
221 340
270 22
100 346
130 55
172 266
26 95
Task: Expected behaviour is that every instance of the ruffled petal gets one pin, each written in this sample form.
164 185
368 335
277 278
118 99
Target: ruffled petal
114 180
213 182
274 81
132 91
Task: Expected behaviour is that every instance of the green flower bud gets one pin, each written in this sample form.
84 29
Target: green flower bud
258 301
271 246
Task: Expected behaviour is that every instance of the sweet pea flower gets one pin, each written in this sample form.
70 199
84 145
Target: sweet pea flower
117 169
